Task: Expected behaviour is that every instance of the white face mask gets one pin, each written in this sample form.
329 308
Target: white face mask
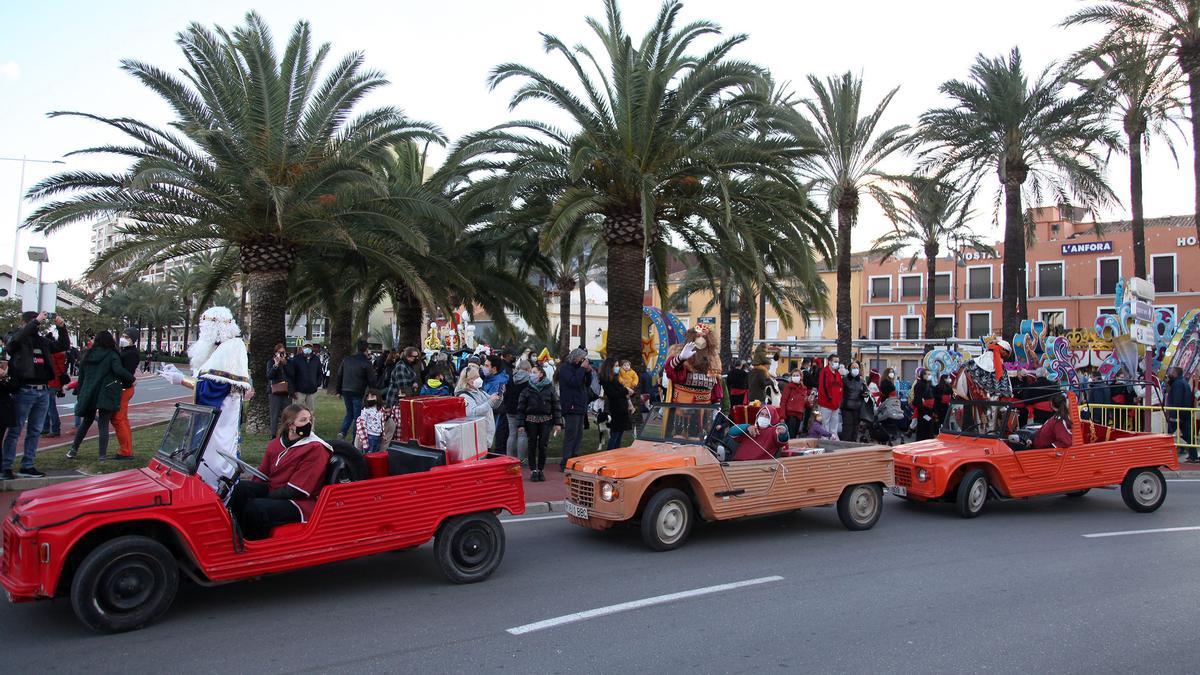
854 372
124 342
535 377
486 371
477 383
891 376
795 379
929 378
834 364
763 422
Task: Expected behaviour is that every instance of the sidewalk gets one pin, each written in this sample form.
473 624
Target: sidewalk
546 496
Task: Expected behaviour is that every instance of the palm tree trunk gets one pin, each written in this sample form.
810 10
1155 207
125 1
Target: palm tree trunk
1014 258
242 307
340 335
187 324
847 210
745 324
268 291
409 322
308 327
725 312
762 315
1191 66
583 334
931 254
626 283
564 318
1135 204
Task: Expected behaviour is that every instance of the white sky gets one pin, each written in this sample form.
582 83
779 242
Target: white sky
57 55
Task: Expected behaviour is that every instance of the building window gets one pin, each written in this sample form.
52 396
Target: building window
941 285
1053 318
912 327
979 283
881 328
1054 230
878 366
979 324
943 327
1050 280
908 369
1162 270
910 286
881 288
1106 310
1108 272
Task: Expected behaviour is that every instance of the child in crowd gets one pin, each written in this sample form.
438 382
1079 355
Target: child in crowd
435 384
628 378
369 426
816 429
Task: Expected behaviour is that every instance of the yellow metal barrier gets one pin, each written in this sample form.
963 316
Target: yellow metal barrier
1183 422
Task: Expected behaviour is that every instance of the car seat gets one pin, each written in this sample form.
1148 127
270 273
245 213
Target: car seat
346 464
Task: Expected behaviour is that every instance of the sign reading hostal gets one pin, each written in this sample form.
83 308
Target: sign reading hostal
1087 247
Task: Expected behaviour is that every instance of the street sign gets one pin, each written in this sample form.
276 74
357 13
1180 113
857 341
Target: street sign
1087 247
710 320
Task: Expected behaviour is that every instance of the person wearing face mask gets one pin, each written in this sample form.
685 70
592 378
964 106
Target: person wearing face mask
943 393
923 405
854 390
540 416
795 402
480 404
1179 395
495 381
761 439
829 394
277 386
120 419
616 397
303 371
368 428
355 375
517 442
294 464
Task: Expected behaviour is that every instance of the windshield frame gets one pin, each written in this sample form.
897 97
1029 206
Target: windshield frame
191 463
668 414
963 403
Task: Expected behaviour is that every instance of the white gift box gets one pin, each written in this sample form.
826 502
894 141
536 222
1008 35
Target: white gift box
461 439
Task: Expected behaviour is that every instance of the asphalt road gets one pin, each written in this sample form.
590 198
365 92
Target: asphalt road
149 389
1019 589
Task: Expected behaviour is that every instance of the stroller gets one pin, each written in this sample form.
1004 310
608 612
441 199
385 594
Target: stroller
875 428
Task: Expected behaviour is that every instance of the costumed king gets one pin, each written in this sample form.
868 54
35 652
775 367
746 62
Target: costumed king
221 378
694 369
984 378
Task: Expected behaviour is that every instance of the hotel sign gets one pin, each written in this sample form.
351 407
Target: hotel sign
1087 247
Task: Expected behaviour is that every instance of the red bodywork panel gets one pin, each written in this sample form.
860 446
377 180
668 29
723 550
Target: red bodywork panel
350 520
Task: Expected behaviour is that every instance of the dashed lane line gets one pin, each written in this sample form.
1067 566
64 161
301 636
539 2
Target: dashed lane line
1159 530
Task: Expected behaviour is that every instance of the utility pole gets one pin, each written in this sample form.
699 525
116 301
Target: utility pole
20 203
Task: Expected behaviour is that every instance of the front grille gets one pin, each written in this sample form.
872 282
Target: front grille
903 475
583 492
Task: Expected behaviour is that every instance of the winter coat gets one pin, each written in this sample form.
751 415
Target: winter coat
512 392
829 389
818 430
276 374
304 373
495 383
853 391
923 397
617 397
539 399
795 399
8 407
480 405
29 354
761 385
101 379
130 356
766 444
573 385
355 375
434 387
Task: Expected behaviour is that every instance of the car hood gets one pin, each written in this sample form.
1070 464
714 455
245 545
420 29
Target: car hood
123 490
635 460
938 447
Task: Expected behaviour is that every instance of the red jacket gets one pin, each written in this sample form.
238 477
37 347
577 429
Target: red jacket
829 389
301 466
1053 434
766 444
795 399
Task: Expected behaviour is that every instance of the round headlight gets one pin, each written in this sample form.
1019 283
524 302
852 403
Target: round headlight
922 475
608 492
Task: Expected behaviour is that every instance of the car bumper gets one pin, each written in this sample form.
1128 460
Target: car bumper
18 568
909 487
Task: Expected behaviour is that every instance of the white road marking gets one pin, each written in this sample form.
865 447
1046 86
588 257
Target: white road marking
1182 480
526 520
637 604
1154 531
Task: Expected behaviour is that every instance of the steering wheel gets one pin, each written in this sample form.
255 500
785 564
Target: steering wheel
248 468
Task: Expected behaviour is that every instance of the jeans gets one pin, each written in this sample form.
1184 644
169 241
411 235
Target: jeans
614 439
518 440
53 423
572 436
81 432
372 443
500 438
353 404
277 403
31 405
833 419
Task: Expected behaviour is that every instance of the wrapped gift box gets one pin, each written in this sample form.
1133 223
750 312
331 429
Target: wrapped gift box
462 439
420 414
743 414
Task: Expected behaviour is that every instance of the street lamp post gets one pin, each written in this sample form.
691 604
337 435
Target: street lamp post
39 255
21 202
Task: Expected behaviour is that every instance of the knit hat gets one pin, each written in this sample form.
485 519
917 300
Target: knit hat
132 333
576 355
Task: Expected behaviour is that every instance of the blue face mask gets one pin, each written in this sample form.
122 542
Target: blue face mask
307 351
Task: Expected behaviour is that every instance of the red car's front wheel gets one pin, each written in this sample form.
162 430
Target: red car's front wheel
124 584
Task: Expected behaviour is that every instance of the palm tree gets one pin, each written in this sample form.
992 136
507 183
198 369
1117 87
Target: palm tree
1024 131
847 168
657 128
1142 91
930 214
160 309
264 161
1171 25
186 281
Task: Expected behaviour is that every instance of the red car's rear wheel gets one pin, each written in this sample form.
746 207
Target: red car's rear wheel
470 547
124 584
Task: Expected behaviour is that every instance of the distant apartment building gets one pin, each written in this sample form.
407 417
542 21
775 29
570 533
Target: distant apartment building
106 234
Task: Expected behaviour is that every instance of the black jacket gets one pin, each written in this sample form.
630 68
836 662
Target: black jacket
616 398
8 407
853 392
29 354
540 401
130 356
304 373
355 375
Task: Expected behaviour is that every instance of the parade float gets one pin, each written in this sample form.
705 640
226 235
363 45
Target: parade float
660 330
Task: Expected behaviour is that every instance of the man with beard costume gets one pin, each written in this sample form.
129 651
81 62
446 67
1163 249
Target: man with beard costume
694 369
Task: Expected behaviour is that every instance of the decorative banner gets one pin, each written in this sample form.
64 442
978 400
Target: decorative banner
942 361
1057 362
1028 346
1164 330
1184 350
1108 327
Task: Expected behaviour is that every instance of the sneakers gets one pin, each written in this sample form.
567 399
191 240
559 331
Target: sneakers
73 452
31 472
7 474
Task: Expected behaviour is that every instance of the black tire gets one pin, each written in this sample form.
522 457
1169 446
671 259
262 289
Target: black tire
972 493
1078 493
124 584
469 547
667 519
1144 489
860 506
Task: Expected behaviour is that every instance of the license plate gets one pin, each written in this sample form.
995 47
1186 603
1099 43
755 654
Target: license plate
577 511
899 490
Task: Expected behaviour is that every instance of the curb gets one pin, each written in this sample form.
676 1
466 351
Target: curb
23 484
544 507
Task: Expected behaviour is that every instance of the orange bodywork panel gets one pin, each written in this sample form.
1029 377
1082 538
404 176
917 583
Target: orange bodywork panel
632 461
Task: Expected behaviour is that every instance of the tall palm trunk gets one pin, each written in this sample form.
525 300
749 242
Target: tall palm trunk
725 314
745 324
340 335
847 210
187 323
626 265
931 254
583 334
1189 59
241 317
1014 255
1135 204
268 291
409 321
762 315
564 315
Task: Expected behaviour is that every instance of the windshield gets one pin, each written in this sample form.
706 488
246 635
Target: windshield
991 419
683 424
186 435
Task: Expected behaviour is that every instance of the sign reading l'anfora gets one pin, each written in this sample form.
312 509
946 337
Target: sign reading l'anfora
1087 247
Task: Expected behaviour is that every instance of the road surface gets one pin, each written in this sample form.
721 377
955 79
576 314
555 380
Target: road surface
148 389
1021 589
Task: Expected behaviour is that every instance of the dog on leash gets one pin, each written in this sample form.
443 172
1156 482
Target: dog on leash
600 415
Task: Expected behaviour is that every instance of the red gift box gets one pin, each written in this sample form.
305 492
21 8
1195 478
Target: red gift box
377 464
741 413
419 415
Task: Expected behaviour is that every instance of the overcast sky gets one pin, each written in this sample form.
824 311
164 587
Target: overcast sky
58 55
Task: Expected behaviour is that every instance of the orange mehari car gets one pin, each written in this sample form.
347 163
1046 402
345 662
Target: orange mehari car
675 472
983 454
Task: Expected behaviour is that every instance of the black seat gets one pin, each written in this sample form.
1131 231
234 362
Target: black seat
346 464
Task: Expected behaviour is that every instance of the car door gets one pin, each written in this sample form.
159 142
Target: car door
747 482
1040 465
